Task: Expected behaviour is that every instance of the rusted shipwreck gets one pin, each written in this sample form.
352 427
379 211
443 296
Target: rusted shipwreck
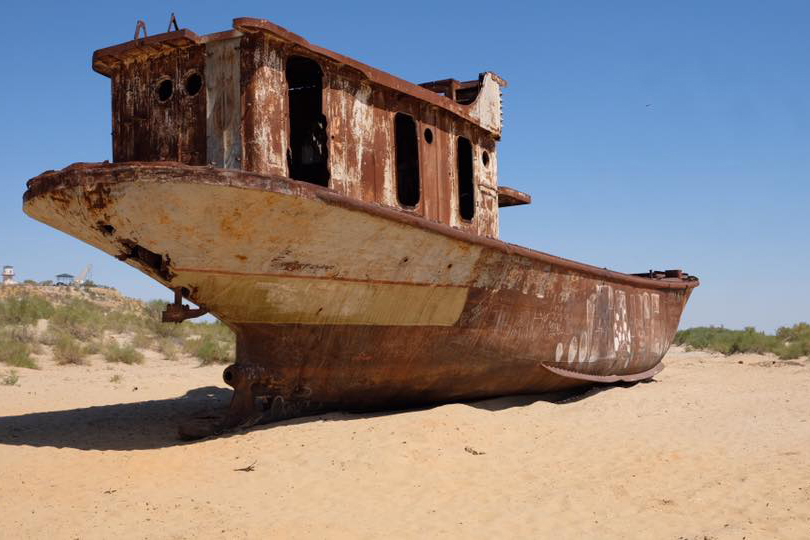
344 223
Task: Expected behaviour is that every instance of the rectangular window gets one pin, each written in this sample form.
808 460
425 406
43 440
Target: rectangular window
407 156
466 187
307 156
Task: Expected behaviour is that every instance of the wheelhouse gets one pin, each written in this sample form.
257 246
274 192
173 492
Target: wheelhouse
261 99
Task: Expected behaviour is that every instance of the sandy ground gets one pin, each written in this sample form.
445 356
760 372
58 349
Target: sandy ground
715 447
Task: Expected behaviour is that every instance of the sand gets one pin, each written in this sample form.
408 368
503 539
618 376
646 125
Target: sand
715 447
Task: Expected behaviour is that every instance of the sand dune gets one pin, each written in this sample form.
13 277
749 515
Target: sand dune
715 447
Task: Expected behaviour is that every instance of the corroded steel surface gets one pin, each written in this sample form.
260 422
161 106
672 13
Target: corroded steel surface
340 303
342 294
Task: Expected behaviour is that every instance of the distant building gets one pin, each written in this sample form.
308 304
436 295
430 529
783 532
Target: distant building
64 279
8 275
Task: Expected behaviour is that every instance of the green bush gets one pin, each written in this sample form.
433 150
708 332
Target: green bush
209 350
143 340
79 318
125 354
92 347
787 343
67 350
14 352
123 321
215 330
168 348
24 309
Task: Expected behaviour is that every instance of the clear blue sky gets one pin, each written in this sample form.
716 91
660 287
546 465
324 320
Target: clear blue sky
650 134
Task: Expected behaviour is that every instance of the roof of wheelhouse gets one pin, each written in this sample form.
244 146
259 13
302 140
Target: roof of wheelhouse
480 111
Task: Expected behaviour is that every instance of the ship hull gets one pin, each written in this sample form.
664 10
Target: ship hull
341 304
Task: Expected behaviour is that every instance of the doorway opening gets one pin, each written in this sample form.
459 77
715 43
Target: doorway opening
308 153
407 155
466 188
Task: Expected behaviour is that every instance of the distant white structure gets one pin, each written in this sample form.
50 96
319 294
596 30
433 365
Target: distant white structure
8 275
84 276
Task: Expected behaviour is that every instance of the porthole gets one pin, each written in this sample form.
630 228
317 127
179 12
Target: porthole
428 136
164 90
485 158
194 84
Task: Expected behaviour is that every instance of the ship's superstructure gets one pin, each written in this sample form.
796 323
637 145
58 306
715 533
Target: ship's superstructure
261 99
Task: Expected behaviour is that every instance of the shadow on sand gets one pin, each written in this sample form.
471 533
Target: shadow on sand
153 424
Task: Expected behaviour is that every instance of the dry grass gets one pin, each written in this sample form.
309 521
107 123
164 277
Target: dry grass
10 379
78 322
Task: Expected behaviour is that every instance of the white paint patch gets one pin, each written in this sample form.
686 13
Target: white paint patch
622 338
559 354
572 350
223 102
487 106
583 347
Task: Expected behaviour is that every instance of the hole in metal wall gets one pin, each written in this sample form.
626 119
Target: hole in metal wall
428 136
165 89
485 158
106 228
193 84
160 264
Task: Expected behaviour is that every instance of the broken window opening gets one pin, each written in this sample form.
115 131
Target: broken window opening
193 84
407 156
307 156
164 90
464 162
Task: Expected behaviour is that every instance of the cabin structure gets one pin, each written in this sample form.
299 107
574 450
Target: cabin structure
261 99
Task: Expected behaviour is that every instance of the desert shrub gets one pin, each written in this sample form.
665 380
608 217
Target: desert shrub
68 350
25 309
79 318
10 378
795 339
167 347
797 332
794 350
92 347
215 330
143 340
123 321
788 342
21 333
209 350
115 379
14 352
125 354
